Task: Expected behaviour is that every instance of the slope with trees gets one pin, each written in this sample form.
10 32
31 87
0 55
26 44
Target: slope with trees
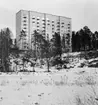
84 40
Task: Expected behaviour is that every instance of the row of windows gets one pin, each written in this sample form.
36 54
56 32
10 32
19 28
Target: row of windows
47 20
48 25
44 23
44 28
53 28
44 20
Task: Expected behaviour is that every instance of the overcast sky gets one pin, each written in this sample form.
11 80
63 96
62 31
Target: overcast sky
82 12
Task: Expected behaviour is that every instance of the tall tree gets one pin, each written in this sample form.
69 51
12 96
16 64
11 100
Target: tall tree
5 35
57 48
63 44
83 39
87 39
78 41
96 38
23 39
73 41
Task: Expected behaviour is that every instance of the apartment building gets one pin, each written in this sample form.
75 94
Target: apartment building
46 24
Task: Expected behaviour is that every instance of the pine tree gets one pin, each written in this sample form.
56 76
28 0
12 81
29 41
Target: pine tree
5 35
57 48
63 44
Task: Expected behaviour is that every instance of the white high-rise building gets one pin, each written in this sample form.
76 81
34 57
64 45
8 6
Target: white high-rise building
46 24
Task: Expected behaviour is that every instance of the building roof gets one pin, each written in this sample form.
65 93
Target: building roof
44 13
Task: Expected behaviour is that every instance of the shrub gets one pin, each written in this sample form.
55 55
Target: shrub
78 100
90 80
56 61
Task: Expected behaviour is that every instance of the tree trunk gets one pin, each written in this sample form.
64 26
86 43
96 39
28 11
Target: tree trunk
33 69
23 66
16 68
48 64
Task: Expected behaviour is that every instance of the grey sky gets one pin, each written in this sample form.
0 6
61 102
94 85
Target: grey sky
82 12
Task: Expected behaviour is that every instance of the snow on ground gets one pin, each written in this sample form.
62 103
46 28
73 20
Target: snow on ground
42 88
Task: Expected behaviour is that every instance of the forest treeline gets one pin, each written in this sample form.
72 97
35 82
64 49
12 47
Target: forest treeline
84 40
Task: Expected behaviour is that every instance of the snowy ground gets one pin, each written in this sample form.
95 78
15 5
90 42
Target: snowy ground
65 87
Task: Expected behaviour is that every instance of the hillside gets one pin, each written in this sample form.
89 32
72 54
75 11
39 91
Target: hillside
70 86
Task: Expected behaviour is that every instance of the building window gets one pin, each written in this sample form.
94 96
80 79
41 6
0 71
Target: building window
58 25
33 22
37 22
62 26
25 17
48 20
37 19
43 30
62 23
37 29
43 27
33 18
24 21
58 22
52 21
25 28
24 24
43 20
58 29
44 24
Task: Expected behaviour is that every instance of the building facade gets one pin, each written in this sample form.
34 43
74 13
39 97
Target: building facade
46 24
